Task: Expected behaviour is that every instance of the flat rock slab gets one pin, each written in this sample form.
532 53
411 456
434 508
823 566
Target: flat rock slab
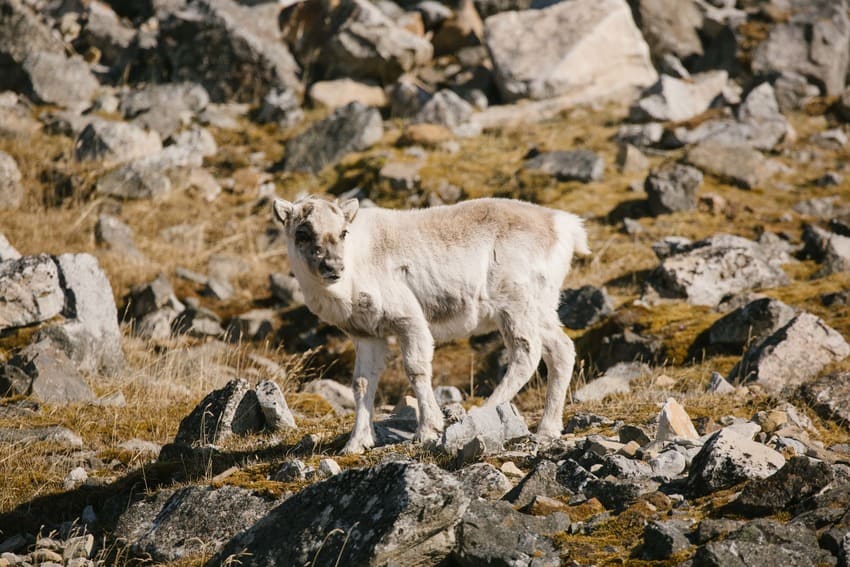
590 47
30 291
571 165
494 425
793 354
395 513
742 165
728 458
179 523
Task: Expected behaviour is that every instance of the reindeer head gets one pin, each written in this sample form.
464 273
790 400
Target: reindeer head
316 231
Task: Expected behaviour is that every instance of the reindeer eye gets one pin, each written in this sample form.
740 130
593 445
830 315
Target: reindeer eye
343 235
302 236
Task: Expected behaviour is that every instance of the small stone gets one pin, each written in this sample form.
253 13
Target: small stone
671 188
291 471
718 385
661 540
329 467
511 470
74 479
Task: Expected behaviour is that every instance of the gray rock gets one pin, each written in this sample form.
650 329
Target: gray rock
495 425
291 471
52 434
571 165
574 476
627 346
151 297
800 478
544 53
672 187
764 542
447 395
11 190
493 533
445 108
31 291
742 166
274 407
812 43
254 325
793 91
164 108
56 79
483 480
616 494
351 128
114 234
582 307
281 108
328 467
22 33
395 513
241 55
44 372
616 379
714 268
7 251
338 395
728 458
793 354
667 34
640 135
661 540
232 410
90 335
670 246
828 248
668 464
718 385
17 122
113 143
179 523
286 289
677 100
542 480
624 468
753 322
630 159
829 395
104 31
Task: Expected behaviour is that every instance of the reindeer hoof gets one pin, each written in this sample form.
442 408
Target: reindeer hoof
549 431
357 446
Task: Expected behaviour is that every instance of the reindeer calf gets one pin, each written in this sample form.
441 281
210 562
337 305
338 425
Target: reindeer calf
435 275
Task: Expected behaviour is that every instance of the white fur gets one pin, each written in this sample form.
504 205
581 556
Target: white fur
439 274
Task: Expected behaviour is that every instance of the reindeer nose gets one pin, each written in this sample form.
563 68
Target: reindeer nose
331 266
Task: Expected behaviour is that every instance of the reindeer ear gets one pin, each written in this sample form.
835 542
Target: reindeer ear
349 209
283 210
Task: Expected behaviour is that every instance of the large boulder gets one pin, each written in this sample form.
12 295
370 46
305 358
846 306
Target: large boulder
793 354
229 50
180 523
351 128
395 513
813 42
30 291
587 47
22 33
11 190
728 458
56 79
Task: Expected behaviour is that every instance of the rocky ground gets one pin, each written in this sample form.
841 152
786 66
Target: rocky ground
167 398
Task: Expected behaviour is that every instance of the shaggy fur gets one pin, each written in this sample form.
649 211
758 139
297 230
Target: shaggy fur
435 275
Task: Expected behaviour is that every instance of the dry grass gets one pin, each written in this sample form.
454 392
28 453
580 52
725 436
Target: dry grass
164 381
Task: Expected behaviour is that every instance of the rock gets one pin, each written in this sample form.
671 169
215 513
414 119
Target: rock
640 135
829 395
617 379
671 27
542 480
340 92
338 395
52 434
113 143
617 495
231 410
274 407
545 53
401 176
828 248
105 32
140 447
164 108
11 190
78 547
812 43
800 478
150 297
31 291
493 533
90 335
677 100
630 159
572 165
351 128
74 479
281 108
629 347
661 540
44 372
574 476
674 423
623 467
177 523
793 91
228 50
728 458
56 79
462 29
749 324
291 471
399 513
668 464
628 433
793 354
22 33
7 251
483 480
742 166
582 307
328 467
718 385
254 325
672 188
712 269
286 289
114 234
764 542
16 121
446 109
495 425
446 395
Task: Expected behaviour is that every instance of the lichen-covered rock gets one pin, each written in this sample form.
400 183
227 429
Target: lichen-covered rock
800 478
744 326
180 523
164 108
582 307
395 513
493 425
56 79
44 372
274 407
483 480
231 410
672 187
11 190
30 291
112 143
542 480
570 165
728 458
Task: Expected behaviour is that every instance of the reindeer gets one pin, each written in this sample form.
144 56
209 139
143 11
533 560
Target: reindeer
434 275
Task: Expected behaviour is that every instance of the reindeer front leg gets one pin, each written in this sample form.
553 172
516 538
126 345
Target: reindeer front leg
371 357
417 349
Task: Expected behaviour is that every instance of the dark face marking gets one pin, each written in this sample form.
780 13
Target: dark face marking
318 230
